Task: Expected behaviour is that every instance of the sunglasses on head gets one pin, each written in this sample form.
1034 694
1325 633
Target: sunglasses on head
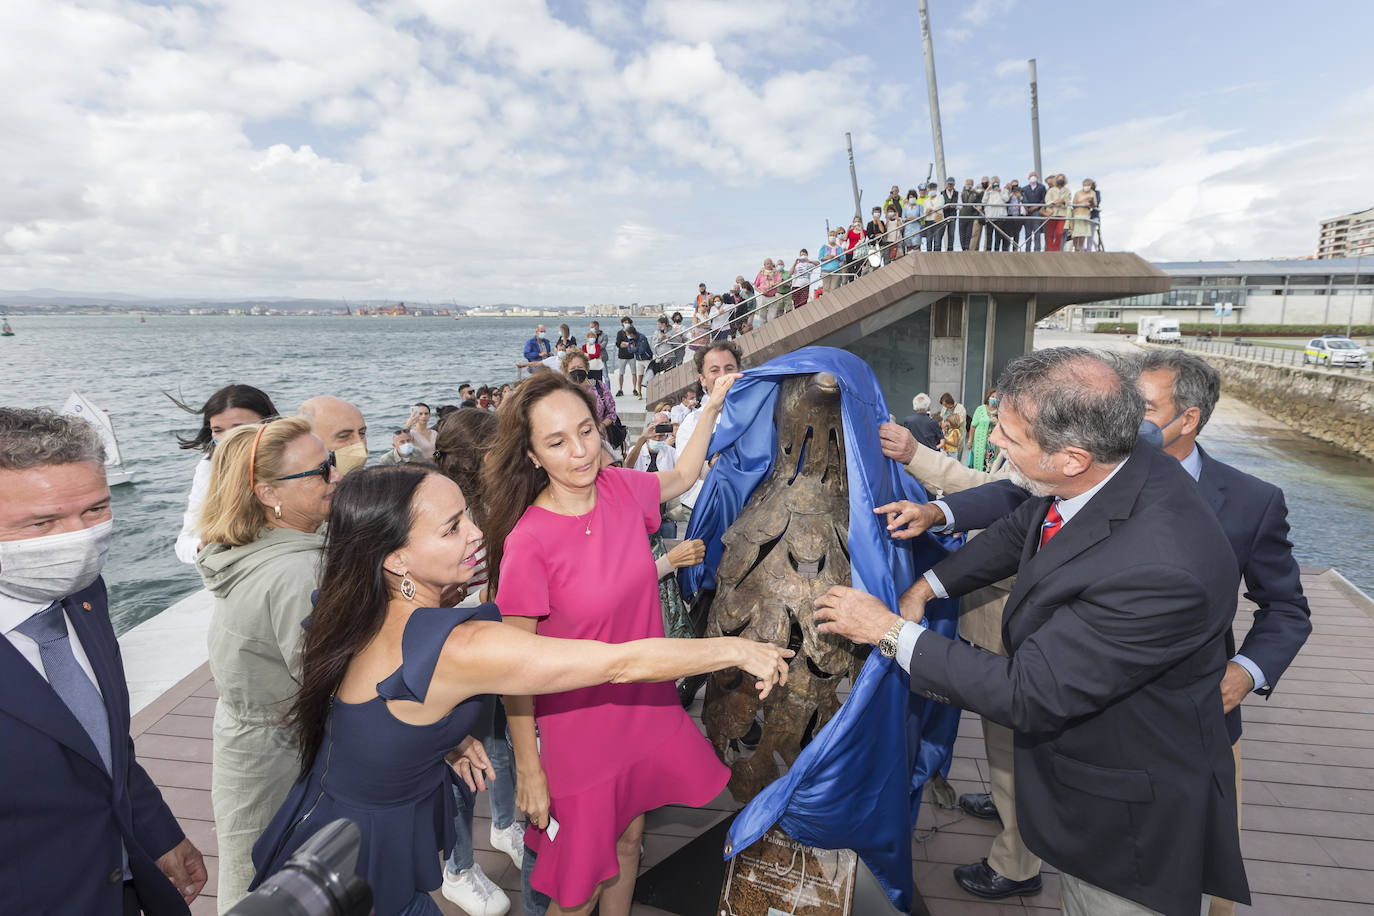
322 470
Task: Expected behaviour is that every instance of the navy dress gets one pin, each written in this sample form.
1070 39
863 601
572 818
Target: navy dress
388 777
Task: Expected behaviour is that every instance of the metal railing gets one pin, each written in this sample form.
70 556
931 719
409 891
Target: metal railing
1240 348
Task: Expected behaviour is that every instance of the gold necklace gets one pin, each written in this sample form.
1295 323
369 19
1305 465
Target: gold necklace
585 519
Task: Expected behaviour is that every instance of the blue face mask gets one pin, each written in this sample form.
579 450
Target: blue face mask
1153 433
405 449
992 402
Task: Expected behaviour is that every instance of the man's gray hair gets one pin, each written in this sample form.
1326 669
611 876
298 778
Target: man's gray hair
921 403
1071 396
34 437
1196 382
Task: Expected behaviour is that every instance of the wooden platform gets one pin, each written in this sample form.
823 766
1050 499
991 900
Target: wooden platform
1308 762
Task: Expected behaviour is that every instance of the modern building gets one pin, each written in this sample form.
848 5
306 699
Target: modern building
1347 236
1259 292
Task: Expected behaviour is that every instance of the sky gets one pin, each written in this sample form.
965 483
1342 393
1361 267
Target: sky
567 153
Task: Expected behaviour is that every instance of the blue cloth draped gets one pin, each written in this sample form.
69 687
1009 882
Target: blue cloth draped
857 785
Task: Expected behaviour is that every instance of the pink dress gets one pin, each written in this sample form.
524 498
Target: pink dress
614 751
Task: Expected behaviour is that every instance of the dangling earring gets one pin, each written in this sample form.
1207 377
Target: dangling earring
276 510
407 586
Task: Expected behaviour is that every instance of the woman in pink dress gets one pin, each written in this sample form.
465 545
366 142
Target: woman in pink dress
570 541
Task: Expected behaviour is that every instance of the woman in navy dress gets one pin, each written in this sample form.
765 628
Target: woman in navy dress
393 680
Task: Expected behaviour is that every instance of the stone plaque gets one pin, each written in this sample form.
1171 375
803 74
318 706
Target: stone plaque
778 876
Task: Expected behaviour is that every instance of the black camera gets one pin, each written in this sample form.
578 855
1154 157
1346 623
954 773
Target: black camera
318 880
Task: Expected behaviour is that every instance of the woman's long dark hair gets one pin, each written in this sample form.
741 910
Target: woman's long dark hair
510 481
461 443
371 517
230 396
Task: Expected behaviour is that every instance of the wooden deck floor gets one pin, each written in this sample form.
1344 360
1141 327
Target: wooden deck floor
1308 796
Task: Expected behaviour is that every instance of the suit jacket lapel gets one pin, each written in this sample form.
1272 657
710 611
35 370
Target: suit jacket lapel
28 697
1090 525
1028 549
1210 482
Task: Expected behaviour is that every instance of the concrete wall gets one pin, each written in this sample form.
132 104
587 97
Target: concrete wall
1322 403
900 357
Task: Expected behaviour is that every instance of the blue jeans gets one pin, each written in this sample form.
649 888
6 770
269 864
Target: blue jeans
536 904
502 790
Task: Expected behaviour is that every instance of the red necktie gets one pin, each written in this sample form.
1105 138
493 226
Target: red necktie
1053 521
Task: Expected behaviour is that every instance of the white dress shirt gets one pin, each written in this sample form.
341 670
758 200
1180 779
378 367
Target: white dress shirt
684 435
13 613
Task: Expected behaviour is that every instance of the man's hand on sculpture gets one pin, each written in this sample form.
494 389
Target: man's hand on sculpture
897 441
855 615
688 553
906 519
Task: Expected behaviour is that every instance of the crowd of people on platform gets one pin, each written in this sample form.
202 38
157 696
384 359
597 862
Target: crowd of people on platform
983 216
388 640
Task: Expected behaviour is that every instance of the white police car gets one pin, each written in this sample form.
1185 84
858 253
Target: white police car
1334 351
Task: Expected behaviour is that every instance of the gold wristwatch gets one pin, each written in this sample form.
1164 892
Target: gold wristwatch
888 644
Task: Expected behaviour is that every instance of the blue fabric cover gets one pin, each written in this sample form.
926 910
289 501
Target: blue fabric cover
857 785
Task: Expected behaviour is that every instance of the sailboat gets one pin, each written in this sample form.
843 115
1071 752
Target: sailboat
78 406
5 329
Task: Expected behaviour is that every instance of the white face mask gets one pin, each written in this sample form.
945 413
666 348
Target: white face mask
52 567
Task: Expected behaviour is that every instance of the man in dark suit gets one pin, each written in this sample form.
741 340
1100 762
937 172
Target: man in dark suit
1116 629
922 425
1181 390
85 830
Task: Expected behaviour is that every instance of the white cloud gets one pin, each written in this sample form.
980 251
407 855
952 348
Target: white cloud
981 12
1010 67
439 149
332 148
1174 189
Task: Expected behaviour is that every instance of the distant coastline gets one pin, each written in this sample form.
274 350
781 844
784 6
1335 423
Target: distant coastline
49 302
246 310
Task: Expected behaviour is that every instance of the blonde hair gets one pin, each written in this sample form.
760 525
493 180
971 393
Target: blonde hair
232 513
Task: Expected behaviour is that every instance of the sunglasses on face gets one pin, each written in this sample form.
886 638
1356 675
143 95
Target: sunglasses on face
323 470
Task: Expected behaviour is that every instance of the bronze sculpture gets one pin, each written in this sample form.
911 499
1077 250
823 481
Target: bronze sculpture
786 548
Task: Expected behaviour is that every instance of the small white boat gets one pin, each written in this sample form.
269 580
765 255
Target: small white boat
79 406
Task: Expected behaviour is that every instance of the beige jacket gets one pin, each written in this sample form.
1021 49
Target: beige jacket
980 612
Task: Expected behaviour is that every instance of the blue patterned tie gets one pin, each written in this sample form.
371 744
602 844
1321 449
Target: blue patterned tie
49 629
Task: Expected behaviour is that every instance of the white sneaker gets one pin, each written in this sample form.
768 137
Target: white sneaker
475 893
511 841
